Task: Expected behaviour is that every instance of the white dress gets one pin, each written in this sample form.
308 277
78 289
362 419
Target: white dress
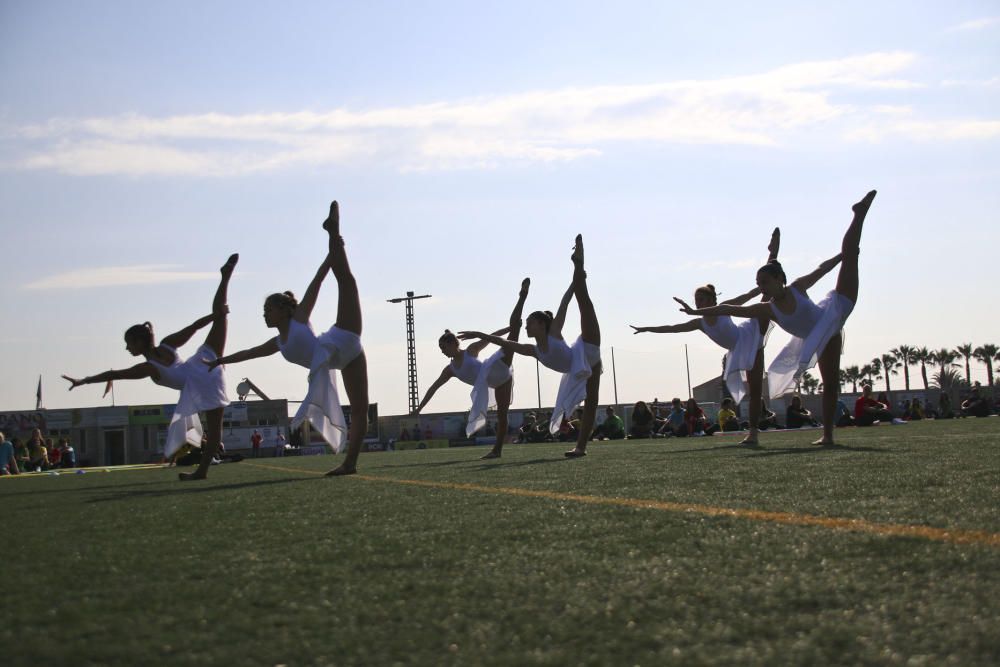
322 355
576 364
812 325
484 376
201 389
742 342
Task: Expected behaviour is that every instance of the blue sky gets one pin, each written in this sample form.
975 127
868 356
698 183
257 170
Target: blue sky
141 144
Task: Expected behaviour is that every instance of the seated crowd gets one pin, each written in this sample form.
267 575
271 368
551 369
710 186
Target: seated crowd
37 455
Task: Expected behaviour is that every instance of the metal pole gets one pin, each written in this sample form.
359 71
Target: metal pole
687 362
614 375
411 348
538 381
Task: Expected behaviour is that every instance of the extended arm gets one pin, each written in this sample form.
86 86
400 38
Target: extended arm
759 310
175 340
262 350
810 279
305 307
690 325
137 372
557 322
518 348
772 256
476 348
446 375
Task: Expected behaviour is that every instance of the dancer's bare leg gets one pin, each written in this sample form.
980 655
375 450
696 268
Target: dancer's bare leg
355 376
348 302
515 320
216 339
755 380
589 414
503 396
847 279
829 370
590 328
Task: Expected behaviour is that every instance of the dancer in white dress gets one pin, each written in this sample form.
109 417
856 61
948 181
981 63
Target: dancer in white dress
580 364
491 380
743 342
339 348
815 327
202 389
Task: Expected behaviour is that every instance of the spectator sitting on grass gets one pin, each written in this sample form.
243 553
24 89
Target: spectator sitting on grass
55 453
643 421
612 428
975 405
842 416
532 430
674 423
68 453
696 421
916 410
944 406
38 456
867 410
21 454
767 418
8 462
727 416
797 416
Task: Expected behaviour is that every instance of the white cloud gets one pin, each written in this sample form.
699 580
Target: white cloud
784 105
976 24
943 130
119 276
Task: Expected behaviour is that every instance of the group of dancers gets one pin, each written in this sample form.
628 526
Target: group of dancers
815 329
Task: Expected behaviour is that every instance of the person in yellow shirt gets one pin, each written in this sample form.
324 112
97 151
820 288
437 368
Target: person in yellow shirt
727 416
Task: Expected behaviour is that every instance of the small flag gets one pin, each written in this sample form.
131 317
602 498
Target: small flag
38 394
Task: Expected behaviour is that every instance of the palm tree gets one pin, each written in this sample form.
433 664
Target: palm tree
866 374
809 383
876 373
905 355
966 351
889 366
922 355
986 354
945 359
852 374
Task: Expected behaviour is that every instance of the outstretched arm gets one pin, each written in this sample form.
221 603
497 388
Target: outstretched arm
518 348
476 348
175 340
305 308
557 322
810 279
758 310
690 325
262 350
446 375
772 256
137 372
742 298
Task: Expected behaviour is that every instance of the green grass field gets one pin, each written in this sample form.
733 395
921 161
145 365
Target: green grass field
533 559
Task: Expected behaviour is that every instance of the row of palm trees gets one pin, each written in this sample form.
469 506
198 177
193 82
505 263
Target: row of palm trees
886 365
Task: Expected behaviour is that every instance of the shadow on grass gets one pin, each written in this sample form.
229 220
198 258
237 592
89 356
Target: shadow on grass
180 488
817 449
518 464
85 489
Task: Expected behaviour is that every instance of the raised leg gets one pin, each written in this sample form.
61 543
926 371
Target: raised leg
515 320
755 380
503 396
829 370
590 328
589 414
847 279
211 447
216 338
348 302
355 376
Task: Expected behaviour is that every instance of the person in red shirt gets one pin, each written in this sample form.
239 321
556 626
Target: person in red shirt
255 441
867 410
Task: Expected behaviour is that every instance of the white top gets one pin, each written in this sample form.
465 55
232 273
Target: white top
469 370
301 344
724 332
174 375
559 357
803 319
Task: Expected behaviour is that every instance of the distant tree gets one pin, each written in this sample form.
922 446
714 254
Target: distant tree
809 383
905 355
876 371
945 359
866 374
986 354
922 356
949 380
966 351
852 374
889 366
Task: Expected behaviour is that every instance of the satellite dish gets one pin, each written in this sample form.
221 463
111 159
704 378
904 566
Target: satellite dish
242 389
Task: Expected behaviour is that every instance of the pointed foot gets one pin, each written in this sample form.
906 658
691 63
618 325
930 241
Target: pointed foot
861 208
191 476
575 453
341 470
493 454
332 222
227 268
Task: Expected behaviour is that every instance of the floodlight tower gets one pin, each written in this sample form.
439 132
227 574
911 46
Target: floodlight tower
411 350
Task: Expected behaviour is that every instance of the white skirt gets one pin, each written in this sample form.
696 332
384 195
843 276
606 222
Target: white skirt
573 386
335 349
741 358
204 389
801 354
493 373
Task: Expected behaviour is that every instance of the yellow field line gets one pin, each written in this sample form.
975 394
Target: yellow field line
954 536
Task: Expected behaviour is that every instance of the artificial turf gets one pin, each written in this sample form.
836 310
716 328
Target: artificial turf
268 562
